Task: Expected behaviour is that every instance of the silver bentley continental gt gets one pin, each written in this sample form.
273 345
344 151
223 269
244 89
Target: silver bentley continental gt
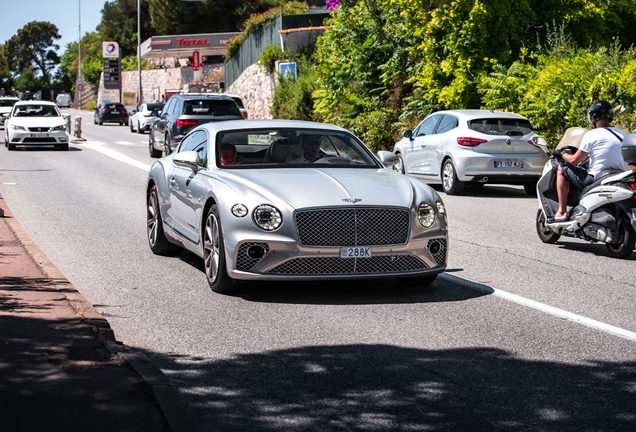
293 200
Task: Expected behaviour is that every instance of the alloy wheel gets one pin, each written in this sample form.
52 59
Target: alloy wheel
211 247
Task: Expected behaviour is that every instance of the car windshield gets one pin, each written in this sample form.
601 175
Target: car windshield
35 111
495 126
211 107
292 148
7 103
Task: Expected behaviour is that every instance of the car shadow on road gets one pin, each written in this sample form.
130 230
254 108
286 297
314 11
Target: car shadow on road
489 191
41 148
379 387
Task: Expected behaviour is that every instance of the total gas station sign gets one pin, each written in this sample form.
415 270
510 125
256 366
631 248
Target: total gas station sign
110 50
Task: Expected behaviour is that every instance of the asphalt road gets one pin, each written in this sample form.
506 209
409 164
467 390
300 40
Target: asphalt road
517 335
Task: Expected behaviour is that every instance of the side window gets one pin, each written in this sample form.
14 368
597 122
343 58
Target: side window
168 106
176 107
201 147
427 126
447 123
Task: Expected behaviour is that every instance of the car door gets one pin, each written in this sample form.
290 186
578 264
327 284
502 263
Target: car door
415 157
159 126
186 192
437 142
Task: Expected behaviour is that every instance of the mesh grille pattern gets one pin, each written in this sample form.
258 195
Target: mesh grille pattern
39 129
440 256
243 261
336 265
353 227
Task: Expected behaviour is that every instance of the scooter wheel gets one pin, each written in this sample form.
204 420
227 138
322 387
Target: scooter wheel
626 246
545 234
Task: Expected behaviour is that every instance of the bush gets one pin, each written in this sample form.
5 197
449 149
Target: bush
293 97
269 57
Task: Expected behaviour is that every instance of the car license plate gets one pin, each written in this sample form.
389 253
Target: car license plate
508 164
114 112
355 252
40 135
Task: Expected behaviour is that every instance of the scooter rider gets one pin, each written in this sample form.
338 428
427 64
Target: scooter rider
602 144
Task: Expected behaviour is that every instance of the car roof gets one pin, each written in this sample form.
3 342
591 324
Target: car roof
34 102
217 96
9 97
469 114
238 125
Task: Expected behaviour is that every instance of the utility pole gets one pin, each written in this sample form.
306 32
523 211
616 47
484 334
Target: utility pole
139 89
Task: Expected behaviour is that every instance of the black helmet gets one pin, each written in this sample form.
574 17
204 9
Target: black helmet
600 110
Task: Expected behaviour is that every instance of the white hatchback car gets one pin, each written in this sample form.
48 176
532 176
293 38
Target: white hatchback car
474 147
142 119
35 123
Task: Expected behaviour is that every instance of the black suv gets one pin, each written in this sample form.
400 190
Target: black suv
184 112
112 112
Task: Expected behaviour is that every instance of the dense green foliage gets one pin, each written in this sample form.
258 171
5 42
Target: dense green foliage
269 57
293 98
385 64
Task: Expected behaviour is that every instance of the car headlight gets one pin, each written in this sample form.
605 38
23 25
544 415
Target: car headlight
426 215
60 127
239 210
267 217
18 128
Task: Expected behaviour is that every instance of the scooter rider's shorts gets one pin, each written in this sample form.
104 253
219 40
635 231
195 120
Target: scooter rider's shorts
576 175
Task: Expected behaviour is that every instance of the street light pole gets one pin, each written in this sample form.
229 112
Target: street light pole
139 90
79 56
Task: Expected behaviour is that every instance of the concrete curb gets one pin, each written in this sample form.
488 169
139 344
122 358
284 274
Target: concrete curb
168 397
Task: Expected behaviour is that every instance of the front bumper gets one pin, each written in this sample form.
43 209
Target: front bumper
18 137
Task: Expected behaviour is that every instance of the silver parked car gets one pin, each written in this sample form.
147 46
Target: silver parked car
475 147
246 197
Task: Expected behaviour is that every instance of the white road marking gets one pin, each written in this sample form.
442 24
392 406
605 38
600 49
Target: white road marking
124 143
101 147
542 307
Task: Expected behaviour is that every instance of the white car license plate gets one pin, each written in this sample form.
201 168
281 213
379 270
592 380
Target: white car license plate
355 252
114 112
508 164
40 135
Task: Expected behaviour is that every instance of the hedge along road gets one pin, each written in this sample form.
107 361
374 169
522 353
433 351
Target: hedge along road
516 333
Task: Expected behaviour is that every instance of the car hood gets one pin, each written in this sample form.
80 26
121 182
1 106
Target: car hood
37 121
318 187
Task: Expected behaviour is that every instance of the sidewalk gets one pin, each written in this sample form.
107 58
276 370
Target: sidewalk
60 366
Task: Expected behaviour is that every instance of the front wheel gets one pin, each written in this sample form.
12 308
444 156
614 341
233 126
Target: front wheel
450 183
399 166
131 128
545 234
157 240
214 254
626 246
154 153
166 146
139 130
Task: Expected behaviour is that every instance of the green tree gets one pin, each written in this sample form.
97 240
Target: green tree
119 24
34 47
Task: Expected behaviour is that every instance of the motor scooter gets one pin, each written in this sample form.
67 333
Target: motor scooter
604 211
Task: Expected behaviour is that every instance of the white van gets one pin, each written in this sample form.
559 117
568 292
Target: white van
63 100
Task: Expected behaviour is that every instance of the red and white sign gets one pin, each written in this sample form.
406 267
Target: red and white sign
110 50
196 61
192 41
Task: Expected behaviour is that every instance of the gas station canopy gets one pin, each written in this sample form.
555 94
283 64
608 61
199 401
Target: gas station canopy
181 46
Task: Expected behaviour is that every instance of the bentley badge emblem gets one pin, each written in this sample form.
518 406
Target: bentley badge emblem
352 200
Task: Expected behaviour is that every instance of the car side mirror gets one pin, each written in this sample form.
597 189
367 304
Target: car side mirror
408 134
387 158
187 159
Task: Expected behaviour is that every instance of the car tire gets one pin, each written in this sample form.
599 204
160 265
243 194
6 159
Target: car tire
450 183
154 153
159 244
626 247
166 146
126 123
399 167
531 188
99 122
139 129
417 281
214 254
94 120
545 234
131 128
11 146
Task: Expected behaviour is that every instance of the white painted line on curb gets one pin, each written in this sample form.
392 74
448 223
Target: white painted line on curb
542 307
101 147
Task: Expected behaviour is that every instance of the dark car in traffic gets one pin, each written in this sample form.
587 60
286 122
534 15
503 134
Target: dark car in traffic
182 113
110 112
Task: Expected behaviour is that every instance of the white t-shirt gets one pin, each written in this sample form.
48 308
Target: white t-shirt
604 149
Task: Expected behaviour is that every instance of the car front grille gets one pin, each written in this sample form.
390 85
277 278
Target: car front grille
39 140
356 266
353 226
39 129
